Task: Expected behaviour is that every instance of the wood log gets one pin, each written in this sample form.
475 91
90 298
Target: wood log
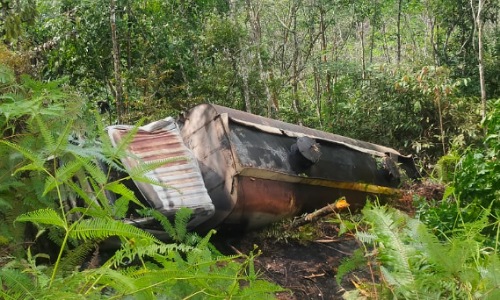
337 206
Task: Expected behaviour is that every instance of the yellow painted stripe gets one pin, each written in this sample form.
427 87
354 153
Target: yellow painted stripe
343 185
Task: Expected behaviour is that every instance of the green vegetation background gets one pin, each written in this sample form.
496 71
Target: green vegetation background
419 76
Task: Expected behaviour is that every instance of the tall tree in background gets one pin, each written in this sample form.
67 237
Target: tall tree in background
118 88
477 16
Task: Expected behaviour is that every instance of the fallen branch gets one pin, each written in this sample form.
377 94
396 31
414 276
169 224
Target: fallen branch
339 205
314 276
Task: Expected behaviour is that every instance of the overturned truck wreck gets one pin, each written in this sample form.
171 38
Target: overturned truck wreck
247 171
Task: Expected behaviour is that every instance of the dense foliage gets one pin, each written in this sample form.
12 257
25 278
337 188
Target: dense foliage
408 261
400 73
418 76
451 248
48 168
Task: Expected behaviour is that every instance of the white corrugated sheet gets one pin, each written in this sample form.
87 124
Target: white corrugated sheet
180 177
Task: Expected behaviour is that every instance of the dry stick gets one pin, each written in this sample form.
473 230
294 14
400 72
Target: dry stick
328 209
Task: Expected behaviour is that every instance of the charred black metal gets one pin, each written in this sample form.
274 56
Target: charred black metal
304 153
259 170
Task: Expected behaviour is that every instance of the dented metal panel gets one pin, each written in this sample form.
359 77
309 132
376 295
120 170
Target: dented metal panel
258 170
181 184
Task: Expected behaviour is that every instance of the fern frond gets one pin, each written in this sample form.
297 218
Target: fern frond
145 167
121 147
182 217
5 204
164 221
205 241
350 264
17 284
100 195
63 139
156 251
120 189
397 278
48 138
46 216
100 228
37 161
366 237
91 152
7 76
76 257
387 226
62 174
84 195
260 289
121 284
93 170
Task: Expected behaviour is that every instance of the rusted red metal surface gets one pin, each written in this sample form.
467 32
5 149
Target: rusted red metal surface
258 170
179 178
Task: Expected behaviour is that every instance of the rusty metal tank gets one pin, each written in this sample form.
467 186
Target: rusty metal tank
259 170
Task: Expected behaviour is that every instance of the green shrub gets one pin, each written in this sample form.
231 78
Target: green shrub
408 261
42 171
478 173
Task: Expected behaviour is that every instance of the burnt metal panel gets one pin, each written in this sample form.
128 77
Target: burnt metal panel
256 149
180 180
279 127
255 179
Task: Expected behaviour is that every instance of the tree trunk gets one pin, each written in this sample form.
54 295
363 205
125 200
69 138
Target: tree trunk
295 69
129 38
241 66
363 55
480 50
386 45
253 12
400 2
328 78
116 62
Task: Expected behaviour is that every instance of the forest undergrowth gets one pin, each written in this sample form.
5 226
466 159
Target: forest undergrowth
447 248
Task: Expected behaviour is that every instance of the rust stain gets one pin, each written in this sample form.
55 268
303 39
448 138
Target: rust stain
180 183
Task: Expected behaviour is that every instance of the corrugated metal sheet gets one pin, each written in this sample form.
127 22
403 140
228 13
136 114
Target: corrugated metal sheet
180 180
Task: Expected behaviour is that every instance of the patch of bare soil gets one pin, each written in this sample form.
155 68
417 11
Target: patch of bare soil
307 270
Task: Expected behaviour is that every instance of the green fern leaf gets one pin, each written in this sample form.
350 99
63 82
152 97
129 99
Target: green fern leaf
390 227
37 161
62 174
182 217
48 138
350 264
45 216
205 241
387 226
99 228
143 168
120 149
366 237
63 139
7 76
76 256
16 285
93 170
85 196
164 221
120 189
143 250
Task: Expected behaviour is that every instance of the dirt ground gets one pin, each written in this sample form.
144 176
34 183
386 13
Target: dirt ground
308 270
